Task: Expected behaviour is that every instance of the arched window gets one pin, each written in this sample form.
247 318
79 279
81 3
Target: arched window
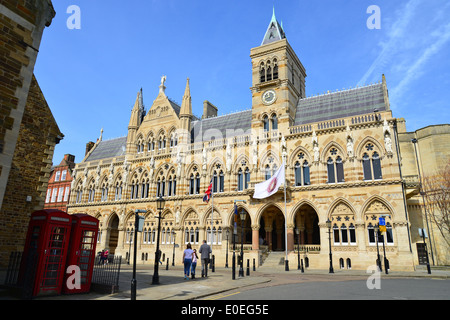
376 164
335 167
246 178
104 191
298 174
269 73
371 165
275 69
169 189
274 121
240 180
221 181
91 192
306 175
262 73
339 169
366 167
267 172
118 190
266 123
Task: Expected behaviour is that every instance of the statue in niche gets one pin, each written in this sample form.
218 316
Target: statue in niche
204 159
350 147
388 142
228 155
255 154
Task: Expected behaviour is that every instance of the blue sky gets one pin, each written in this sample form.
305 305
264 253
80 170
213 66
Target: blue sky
90 76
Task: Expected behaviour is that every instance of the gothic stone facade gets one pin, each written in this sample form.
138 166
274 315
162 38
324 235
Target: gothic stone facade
342 164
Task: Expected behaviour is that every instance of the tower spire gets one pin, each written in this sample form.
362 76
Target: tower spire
274 31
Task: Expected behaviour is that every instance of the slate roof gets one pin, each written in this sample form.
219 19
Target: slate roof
109 149
225 126
340 104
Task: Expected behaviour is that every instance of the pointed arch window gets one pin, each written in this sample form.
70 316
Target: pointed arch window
104 196
335 167
274 121
269 73
262 74
246 178
275 69
267 172
266 123
240 180
372 166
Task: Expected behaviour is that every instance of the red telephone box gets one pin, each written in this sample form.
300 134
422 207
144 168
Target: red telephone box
48 236
83 240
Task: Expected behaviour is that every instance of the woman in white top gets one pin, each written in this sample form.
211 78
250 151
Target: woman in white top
187 260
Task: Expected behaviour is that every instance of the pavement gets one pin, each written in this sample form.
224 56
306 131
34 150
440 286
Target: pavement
173 286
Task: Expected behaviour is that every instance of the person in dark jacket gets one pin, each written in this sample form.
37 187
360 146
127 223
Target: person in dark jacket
205 251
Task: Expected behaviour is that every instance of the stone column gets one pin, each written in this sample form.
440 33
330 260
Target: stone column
255 237
290 237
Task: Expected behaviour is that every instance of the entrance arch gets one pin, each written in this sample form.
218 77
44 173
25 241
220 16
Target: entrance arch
247 230
272 228
113 234
306 221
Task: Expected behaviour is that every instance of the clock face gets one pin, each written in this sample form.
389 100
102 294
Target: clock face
269 97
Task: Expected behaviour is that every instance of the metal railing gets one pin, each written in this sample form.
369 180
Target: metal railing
105 276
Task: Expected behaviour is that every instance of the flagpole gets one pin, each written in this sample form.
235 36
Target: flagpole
285 222
212 210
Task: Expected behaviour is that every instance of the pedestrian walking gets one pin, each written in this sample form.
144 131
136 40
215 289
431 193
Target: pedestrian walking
194 263
106 256
205 251
187 260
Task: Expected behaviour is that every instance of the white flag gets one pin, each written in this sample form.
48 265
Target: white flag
269 187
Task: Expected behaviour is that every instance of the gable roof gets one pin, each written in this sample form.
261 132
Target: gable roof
108 149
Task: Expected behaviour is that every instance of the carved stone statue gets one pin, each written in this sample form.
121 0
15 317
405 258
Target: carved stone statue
152 167
255 153
388 143
228 155
179 162
350 147
204 159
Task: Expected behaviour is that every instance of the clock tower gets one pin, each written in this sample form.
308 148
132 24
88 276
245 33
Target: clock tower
278 80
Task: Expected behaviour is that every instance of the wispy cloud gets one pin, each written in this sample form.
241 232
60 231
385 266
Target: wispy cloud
441 37
395 35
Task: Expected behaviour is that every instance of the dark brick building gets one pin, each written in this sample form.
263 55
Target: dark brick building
28 131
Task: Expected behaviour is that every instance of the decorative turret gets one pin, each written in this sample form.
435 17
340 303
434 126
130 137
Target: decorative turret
186 112
137 116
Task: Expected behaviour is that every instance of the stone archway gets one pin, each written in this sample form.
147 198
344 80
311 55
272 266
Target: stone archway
272 229
306 221
113 234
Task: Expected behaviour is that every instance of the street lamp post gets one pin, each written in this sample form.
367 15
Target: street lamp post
160 202
138 223
377 234
226 256
329 242
297 232
174 244
241 267
386 263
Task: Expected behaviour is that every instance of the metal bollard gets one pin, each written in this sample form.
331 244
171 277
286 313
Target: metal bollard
254 265
213 263
167 265
248 267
